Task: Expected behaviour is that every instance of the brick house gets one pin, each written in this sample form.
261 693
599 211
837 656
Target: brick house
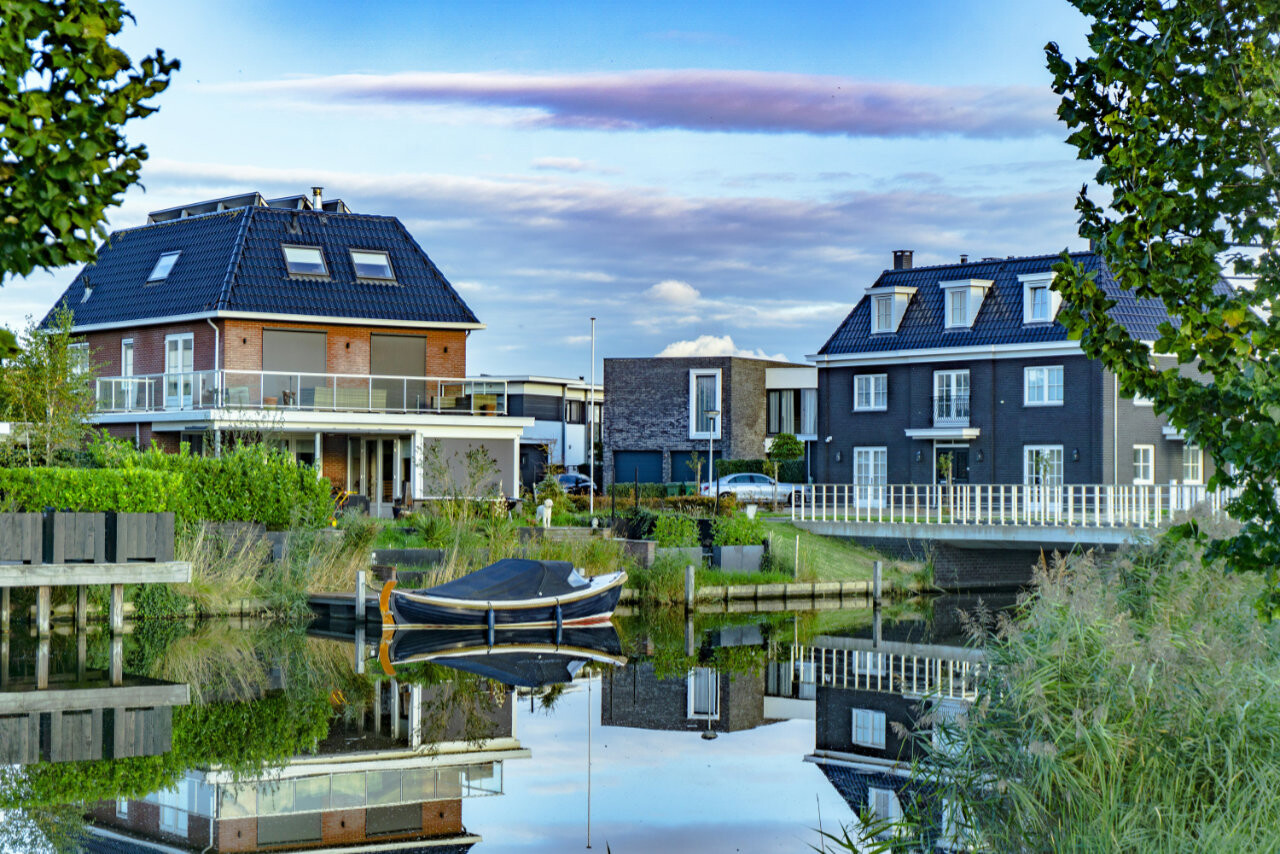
658 412
968 361
327 332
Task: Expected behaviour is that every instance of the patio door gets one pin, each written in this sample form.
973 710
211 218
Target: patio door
870 474
1042 470
179 353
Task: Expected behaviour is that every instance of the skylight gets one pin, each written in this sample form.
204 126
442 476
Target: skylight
305 261
163 266
372 265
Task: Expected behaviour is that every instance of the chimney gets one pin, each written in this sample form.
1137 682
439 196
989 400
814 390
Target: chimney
964 259
902 259
317 198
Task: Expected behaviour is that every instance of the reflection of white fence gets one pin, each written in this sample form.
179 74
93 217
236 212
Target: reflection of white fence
888 672
1071 505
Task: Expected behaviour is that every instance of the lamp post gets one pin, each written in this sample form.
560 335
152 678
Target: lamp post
591 427
712 415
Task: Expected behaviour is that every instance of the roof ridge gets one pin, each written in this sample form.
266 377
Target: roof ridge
233 266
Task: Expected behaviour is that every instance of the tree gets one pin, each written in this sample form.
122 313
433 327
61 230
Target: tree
49 388
1178 104
785 447
66 93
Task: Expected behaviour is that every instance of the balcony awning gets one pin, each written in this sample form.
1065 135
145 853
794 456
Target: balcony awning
963 433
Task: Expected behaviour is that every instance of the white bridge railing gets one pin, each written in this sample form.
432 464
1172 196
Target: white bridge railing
1070 505
888 672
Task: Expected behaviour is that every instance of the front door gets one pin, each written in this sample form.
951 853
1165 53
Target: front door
1042 473
870 474
178 366
959 459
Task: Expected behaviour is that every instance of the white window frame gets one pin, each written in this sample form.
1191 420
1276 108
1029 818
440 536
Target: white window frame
1053 300
174 808
873 723
184 381
952 382
877 392
319 250
694 432
1054 478
893 811
882 304
386 256
870 474
156 275
957 298
1046 373
122 808
713 694
78 357
1146 402
1192 461
1149 464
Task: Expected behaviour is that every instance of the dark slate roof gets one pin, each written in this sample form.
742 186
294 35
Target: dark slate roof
232 261
999 320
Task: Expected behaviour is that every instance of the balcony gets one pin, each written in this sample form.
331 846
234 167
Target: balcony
274 390
951 410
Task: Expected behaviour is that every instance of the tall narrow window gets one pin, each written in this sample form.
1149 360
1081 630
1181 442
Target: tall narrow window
808 411
703 694
179 361
1042 465
950 398
78 355
782 411
1144 464
704 399
958 307
882 321
1192 464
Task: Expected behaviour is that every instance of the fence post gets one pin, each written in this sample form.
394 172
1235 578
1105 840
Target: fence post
688 587
359 609
877 572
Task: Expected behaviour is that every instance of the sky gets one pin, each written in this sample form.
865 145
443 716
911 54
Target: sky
703 178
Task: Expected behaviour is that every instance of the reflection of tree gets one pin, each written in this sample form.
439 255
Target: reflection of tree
59 829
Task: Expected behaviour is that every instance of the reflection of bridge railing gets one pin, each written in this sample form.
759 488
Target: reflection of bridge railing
883 671
1071 505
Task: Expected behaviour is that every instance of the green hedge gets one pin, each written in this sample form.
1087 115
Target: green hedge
91 490
789 471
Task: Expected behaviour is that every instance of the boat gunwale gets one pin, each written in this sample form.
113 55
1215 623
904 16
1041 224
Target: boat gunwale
584 652
620 578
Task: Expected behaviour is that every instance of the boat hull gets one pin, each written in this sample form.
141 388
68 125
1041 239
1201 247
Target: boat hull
593 605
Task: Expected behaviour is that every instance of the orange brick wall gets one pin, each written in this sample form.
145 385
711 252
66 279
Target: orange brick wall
148 347
348 346
334 465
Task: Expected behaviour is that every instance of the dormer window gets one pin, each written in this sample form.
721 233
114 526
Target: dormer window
963 299
305 261
372 265
888 305
163 267
1039 301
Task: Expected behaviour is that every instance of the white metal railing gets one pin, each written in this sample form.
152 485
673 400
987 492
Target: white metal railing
889 672
267 390
1069 505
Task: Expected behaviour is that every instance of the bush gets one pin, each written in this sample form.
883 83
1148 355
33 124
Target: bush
728 467
789 471
737 530
623 489
675 531
91 490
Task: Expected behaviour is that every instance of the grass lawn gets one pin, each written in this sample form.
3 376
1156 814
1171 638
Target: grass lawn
831 558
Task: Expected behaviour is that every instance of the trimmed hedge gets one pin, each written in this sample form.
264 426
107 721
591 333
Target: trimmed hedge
91 490
789 471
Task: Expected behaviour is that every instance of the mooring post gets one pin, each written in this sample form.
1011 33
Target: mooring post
359 603
395 709
5 605
115 612
116 671
42 663
877 573
359 647
688 587
82 655
82 607
688 636
4 662
44 605
875 626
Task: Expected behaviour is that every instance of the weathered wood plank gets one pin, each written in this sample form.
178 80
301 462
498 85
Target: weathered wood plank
59 575
22 537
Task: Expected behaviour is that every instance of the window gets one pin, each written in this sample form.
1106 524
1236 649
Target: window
782 411
126 357
883 804
1042 386
122 807
573 412
868 728
305 261
163 267
372 265
704 398
1144 470
179 360
870 466
882 319
174 807
957 307
78 356
1042 465
870 392
1039 304
1039 300
703 694
950 397
1192 464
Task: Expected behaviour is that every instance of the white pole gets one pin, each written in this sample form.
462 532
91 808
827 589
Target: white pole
591 426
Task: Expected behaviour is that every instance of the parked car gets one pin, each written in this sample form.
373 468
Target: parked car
575 484
750 487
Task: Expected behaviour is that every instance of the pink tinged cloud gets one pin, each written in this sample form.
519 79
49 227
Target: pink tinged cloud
709 100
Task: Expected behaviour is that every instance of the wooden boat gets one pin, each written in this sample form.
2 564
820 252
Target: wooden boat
511 592
522 657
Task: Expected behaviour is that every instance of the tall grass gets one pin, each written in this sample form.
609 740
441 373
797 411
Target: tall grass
1131 708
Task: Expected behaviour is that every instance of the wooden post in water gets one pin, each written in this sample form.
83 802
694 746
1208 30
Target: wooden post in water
42 663
116 671
688 635
5 604
877 573
82 655
82 608
115 612
44 606
4 662
688 587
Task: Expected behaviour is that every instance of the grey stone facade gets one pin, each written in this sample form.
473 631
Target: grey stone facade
634 696
647 410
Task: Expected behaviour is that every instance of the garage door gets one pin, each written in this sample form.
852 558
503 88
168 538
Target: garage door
644 465
681 468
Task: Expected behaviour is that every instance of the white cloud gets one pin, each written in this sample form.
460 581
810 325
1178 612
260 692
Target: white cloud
570 275
674 291
572 164
712 345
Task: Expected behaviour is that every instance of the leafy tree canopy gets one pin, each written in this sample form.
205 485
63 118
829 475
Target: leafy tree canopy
1178 104
785 447
66 93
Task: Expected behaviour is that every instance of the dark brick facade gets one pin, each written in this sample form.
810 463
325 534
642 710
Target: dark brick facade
634 696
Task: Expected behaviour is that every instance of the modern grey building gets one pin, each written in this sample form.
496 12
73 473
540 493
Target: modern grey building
659 413
562 413
967 361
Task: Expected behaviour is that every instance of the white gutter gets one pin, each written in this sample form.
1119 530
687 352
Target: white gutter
277 318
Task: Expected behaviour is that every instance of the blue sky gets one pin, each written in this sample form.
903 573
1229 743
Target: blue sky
703 178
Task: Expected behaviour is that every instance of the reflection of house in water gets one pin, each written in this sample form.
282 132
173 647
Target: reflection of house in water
397 775
53 714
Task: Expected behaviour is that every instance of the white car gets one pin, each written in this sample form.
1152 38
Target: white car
750 487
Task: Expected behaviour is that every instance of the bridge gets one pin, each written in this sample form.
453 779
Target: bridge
990 534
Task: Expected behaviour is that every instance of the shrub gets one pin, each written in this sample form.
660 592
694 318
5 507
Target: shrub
91 490
675 531
737 530
728 467
626 489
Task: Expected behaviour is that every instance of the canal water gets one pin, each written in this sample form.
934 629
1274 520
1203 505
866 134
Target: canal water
742 732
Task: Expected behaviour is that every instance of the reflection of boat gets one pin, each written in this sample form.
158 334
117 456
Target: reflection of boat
523 657
511 592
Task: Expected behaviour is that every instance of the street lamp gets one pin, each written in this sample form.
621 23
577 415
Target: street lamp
712 415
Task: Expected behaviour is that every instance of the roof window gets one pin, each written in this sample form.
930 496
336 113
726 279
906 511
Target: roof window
370 264
305 261
163 266
1040 301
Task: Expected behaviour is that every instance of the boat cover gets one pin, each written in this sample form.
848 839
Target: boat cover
514 578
